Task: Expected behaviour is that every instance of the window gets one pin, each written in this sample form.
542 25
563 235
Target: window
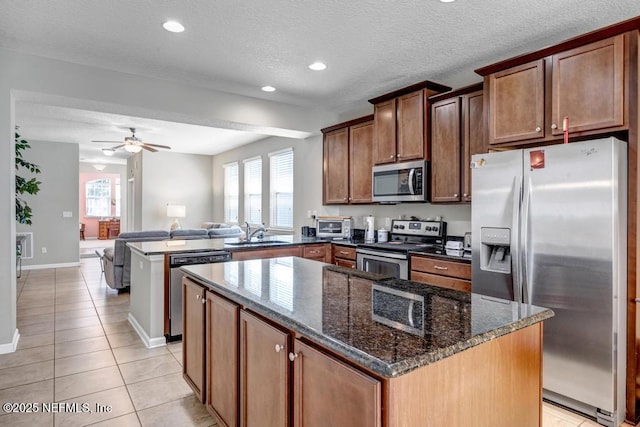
253 190
98 197
281 165
231 192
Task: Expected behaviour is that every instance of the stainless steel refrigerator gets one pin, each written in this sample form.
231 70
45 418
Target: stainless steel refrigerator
549 229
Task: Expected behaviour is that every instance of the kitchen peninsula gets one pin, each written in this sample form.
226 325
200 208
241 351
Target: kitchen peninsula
269 339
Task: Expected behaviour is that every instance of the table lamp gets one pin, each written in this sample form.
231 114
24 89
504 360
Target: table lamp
175 212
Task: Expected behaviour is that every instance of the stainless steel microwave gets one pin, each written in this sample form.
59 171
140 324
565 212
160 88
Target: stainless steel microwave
400 182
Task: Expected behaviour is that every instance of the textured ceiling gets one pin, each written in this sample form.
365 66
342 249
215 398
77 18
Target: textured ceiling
370 46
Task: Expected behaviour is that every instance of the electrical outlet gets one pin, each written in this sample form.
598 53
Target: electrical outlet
314 214
308 214
44 250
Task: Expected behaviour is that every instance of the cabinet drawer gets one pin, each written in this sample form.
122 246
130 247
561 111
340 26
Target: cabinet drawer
442 281
345 252
314 251
346 263
442 267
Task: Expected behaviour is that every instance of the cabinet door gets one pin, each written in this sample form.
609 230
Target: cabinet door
384 132
410 111
264 373
472 137
328 392
193 336
336 167
222 359
445 151
588 86
517 103
361 162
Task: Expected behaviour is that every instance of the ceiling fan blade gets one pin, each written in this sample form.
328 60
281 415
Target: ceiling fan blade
117 146
110 142
158 146
146 147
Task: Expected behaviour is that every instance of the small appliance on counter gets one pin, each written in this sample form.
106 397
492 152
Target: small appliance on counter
307 231
383 235
334 227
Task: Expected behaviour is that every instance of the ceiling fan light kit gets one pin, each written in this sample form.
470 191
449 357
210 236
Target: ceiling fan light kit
132 145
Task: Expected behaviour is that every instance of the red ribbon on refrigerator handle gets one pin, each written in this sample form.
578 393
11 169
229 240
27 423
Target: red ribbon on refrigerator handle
565 129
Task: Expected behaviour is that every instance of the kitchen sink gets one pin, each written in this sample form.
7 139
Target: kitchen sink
256 243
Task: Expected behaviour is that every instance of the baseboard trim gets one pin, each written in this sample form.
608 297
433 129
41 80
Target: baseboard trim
148 342
12 346
43 266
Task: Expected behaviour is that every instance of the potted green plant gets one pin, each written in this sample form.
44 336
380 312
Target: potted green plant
24 185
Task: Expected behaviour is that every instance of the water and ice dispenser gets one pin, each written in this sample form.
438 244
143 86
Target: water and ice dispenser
495 249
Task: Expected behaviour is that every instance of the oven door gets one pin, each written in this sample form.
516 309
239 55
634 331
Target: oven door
388 263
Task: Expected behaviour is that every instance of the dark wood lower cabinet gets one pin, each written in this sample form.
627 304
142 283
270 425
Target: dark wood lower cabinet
221 351
264 373
329 393
193 295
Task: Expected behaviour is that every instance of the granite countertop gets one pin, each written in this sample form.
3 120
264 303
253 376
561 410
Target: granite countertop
446 254
332 306
160 247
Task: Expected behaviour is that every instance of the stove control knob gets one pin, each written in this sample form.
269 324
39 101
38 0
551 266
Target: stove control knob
435 229
401 227
396 227
427 228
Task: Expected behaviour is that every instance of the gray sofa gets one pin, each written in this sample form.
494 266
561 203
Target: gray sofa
116 261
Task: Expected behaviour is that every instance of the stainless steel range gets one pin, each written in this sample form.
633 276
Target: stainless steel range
392 258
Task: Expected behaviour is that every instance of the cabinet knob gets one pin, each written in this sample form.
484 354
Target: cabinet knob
464 195
204 300
455 195
197 296
293 356
392 156
279 347
538 129
350 198
554 126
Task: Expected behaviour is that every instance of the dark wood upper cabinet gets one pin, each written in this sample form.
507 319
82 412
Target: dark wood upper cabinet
528 103
445 151
347 162
401 123
457 133
588 86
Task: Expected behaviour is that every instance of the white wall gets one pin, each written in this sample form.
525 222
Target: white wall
176 179
307 170
58 192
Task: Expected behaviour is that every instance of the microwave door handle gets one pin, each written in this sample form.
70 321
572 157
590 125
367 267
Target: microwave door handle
412 173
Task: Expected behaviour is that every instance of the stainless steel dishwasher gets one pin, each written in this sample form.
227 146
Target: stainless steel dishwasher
175 284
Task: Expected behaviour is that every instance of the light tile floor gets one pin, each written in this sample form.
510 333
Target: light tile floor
77 347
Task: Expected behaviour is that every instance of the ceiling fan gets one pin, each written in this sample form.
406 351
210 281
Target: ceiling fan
133 144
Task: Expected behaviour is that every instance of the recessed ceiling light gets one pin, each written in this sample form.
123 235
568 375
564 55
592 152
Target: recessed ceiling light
268 88
173 26
318 66
447 1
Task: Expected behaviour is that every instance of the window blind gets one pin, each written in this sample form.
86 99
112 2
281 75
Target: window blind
281 188
231 192
253 191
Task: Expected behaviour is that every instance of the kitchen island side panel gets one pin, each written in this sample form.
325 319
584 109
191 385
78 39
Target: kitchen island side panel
498 383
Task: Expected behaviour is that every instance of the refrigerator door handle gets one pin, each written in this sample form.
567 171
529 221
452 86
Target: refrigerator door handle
515 240
526 200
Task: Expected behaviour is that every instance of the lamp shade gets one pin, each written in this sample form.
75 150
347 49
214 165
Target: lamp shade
176 211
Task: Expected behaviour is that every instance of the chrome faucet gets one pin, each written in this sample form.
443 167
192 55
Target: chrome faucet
261 230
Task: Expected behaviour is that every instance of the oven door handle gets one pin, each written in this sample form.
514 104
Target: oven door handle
381 254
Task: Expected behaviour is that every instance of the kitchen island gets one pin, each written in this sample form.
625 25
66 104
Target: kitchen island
267 340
